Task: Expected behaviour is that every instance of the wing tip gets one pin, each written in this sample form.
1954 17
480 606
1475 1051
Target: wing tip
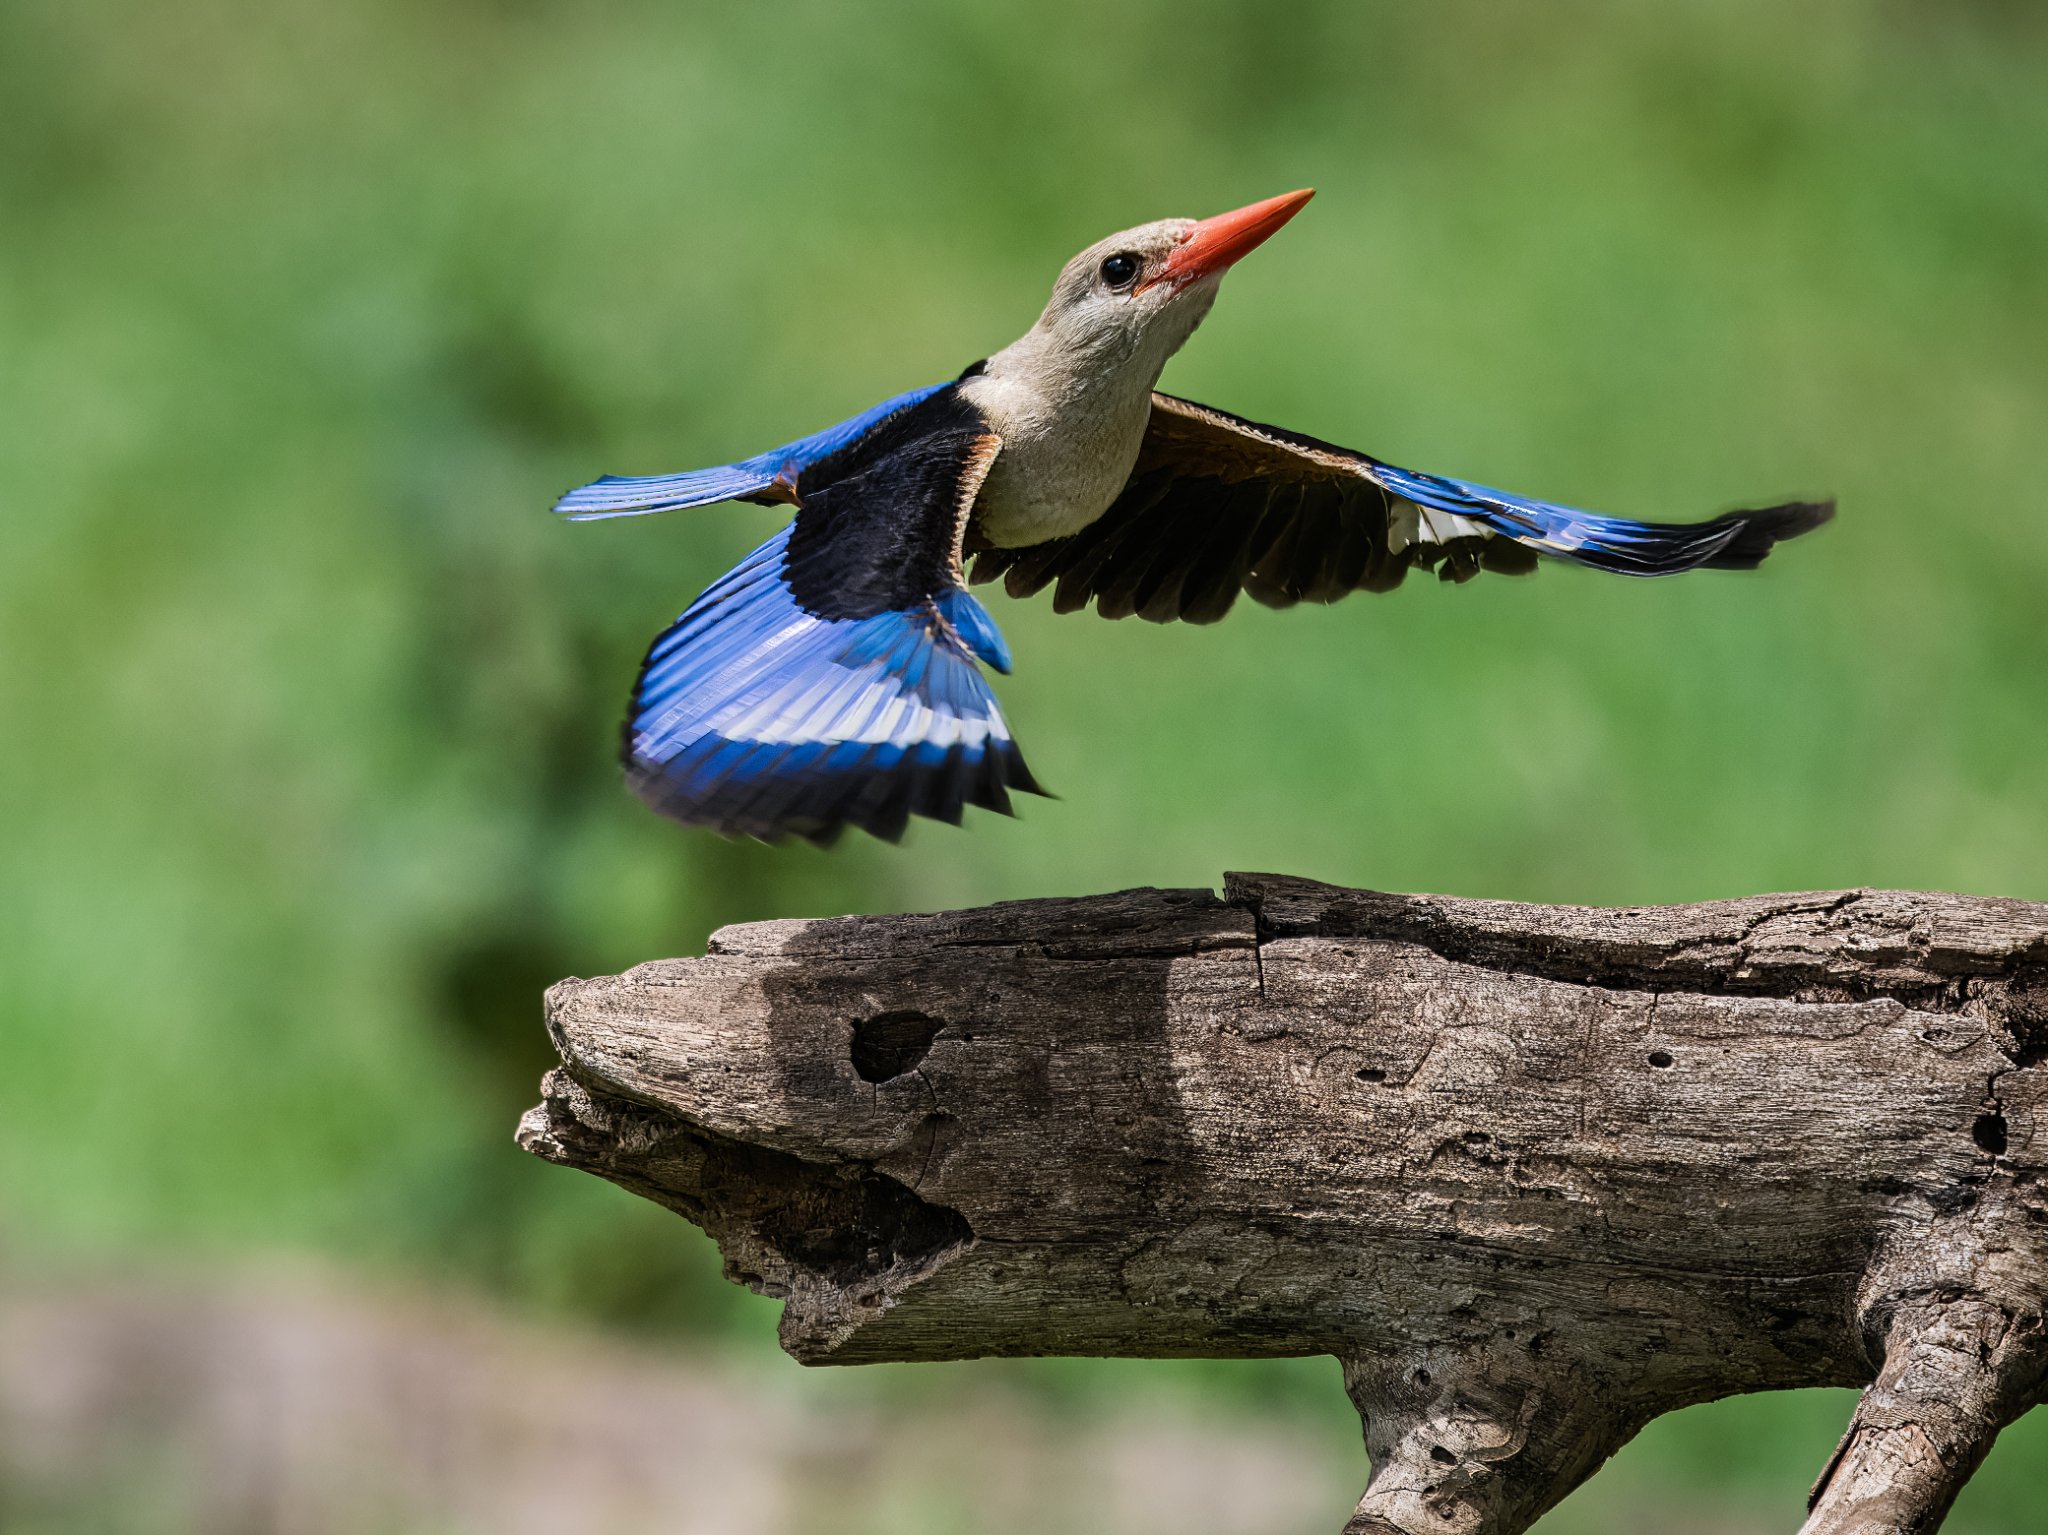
1760 530
642 495
603 497
883 804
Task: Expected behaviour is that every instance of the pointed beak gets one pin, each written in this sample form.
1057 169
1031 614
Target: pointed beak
1215 244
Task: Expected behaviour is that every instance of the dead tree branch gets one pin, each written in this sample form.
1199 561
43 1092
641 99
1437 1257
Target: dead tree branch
1534 1174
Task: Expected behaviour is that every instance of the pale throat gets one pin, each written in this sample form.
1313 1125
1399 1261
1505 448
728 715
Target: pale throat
1071 433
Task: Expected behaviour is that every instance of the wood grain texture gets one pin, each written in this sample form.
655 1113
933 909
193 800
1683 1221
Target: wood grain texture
1534 1174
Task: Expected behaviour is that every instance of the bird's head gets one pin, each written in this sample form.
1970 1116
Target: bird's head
1139 294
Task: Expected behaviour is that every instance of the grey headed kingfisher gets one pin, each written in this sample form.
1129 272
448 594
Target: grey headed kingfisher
834 677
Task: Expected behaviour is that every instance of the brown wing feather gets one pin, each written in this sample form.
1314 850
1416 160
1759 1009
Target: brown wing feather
1218 505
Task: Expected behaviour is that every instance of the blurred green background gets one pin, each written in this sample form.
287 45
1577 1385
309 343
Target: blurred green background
308 310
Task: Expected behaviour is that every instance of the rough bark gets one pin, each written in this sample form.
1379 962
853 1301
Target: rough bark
1534 1174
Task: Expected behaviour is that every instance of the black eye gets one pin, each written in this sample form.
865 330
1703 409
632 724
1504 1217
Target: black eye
1120 270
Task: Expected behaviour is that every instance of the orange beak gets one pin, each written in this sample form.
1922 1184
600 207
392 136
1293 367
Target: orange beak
1215 244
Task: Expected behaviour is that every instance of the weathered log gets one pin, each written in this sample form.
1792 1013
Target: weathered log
1533 1174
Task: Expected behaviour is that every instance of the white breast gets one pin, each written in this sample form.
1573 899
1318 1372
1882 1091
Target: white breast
1064 457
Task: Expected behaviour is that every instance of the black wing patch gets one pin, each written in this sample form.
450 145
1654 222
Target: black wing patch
879 523
1218 504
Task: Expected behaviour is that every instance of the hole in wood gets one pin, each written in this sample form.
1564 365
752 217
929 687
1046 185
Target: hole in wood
1662 1060
1989 1133
889 1044
1371 1074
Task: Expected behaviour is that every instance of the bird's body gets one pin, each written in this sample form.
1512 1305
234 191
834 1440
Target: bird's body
1071 401
1065 456
831 679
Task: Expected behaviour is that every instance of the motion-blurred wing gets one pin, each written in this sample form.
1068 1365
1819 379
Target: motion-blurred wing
766 477
830 680
1217 505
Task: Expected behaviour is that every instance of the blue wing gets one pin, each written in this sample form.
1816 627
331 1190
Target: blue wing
1217 505
622 495
1735 541
756 717
830 679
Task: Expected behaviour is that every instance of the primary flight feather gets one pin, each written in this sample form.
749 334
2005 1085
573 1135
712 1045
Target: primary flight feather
834 678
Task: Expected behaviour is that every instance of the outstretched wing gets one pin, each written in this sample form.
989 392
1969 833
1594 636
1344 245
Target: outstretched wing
1218 504
766 477
830 680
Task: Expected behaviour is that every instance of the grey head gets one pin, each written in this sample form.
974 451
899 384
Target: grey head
1071 397
1127 303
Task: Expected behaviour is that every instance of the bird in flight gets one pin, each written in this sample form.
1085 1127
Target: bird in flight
834 677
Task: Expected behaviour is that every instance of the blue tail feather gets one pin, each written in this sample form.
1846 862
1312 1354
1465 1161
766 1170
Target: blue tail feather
970 620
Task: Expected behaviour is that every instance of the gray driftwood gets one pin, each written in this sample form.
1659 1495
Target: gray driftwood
1533 1174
